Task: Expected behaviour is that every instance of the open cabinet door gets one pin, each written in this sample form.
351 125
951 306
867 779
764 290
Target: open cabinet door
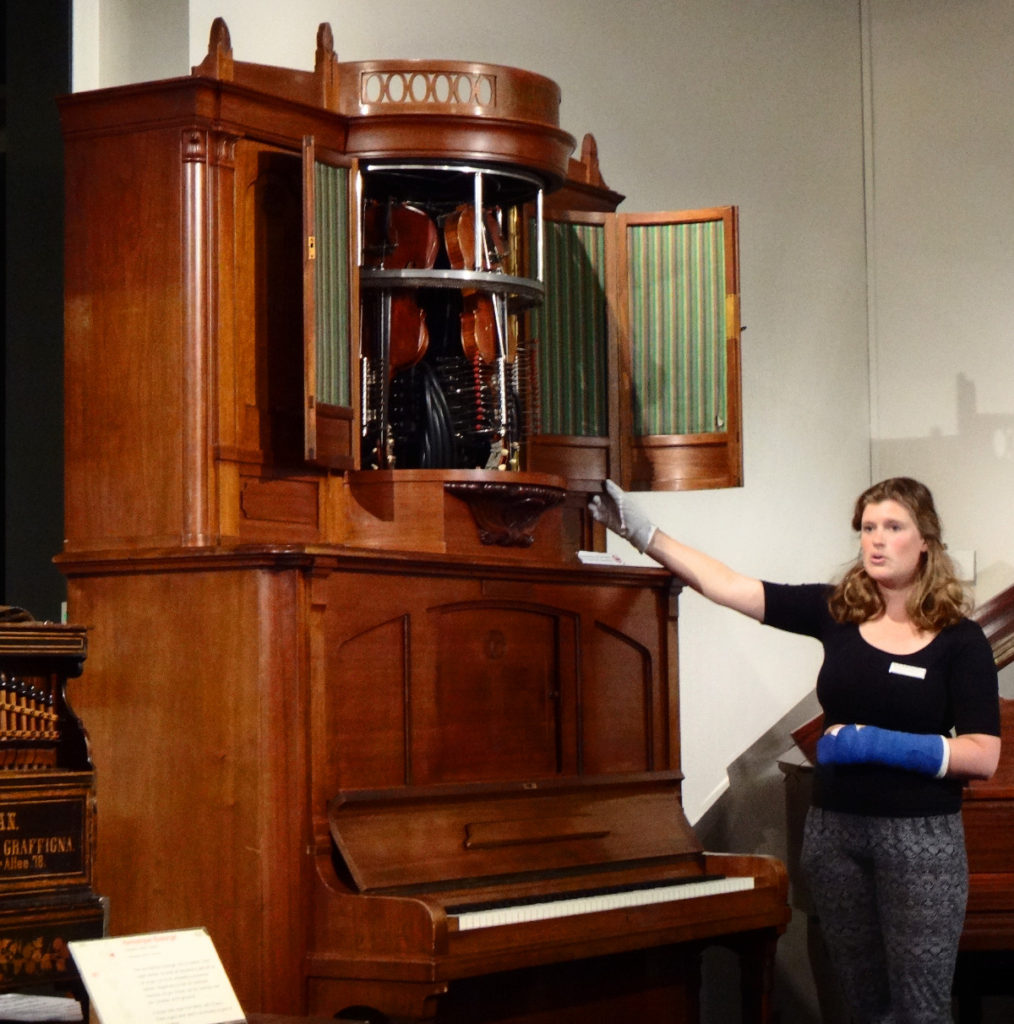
679 382
576 436
330 310
638 350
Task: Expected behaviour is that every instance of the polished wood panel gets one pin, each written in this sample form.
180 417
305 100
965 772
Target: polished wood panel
197 724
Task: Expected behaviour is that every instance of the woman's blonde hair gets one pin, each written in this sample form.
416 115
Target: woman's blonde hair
938 598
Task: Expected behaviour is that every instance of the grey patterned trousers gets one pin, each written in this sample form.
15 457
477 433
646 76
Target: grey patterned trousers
890 894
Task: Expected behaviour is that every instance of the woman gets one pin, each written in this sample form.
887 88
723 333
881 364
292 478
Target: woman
909 693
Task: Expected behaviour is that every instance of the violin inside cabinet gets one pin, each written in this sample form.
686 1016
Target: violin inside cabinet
444 275
490 330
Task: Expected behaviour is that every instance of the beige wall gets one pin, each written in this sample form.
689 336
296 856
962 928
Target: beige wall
863 143
943 264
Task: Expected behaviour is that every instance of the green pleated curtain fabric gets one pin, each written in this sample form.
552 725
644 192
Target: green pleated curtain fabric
331 281
677 327
571 329
676 319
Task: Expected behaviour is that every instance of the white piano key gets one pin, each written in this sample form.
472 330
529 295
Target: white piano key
496 917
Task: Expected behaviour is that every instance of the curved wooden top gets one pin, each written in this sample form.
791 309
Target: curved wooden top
420 109
379 88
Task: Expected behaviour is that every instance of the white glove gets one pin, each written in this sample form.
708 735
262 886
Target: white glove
622 516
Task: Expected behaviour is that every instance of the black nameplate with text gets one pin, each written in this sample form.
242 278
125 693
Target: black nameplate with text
45 834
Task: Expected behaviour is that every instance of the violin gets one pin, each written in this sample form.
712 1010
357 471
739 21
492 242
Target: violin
396 236
401 237
481 328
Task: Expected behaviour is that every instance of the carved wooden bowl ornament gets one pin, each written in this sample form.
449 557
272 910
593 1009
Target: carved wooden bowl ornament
506 513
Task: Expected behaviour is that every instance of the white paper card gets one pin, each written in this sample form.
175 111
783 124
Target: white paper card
158 978
599 558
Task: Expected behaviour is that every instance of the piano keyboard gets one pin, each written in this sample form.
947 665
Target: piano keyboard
569 904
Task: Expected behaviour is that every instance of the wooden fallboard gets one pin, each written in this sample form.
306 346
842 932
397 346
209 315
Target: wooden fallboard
403 838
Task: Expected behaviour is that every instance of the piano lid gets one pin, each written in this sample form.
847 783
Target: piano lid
400 838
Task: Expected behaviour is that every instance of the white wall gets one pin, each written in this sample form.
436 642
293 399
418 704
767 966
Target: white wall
693 103
118 41
942 216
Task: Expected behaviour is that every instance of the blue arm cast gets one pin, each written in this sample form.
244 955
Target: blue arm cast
915 752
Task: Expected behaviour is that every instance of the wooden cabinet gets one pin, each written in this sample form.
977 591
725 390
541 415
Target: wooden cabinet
232 694
220 388
292 587
221 375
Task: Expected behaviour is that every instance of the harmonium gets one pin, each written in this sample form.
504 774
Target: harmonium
47 810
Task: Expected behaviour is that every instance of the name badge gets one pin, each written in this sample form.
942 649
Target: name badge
900 669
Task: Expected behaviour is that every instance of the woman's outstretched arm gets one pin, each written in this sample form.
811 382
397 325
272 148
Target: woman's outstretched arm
708 576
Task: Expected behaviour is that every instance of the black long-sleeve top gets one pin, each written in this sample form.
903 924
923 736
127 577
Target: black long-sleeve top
948 685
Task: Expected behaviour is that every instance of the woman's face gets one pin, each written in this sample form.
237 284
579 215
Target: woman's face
892 546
